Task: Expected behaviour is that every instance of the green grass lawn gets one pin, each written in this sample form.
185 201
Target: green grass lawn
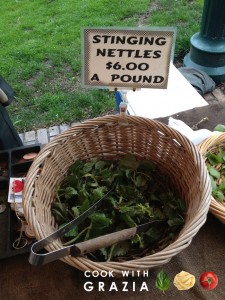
40 51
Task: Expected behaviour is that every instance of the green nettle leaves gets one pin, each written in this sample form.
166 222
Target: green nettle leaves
215 162
214 172
69 192
99 225
162 281
219 127
140 194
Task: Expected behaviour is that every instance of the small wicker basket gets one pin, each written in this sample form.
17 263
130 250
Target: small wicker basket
210 145
108 138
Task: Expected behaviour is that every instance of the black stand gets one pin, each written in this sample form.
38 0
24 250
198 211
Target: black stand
9 137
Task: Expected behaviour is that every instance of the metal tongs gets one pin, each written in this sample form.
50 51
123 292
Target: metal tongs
85 247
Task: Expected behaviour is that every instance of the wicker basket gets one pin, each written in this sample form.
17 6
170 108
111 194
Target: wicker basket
210 145
106 138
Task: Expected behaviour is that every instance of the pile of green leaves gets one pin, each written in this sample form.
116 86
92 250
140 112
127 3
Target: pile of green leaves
140 194
216 167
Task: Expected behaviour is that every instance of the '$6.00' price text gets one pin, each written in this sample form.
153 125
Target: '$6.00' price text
131 66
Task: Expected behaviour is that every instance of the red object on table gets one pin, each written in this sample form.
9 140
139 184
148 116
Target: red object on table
17 186
208 280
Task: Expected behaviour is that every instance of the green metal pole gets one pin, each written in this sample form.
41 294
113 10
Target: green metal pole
207 51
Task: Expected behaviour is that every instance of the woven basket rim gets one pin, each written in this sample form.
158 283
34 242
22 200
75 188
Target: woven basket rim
186 234
216 208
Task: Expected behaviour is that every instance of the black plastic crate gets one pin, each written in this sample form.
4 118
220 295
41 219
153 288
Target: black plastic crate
12 164
17 154
4 166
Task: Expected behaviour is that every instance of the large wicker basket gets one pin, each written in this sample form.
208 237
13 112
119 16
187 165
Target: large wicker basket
106 138
210 145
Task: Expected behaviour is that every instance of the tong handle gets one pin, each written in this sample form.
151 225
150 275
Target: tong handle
36 258
81 248
103 241
88 246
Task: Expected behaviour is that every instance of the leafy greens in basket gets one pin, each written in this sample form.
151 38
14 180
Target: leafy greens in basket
141 193
216 167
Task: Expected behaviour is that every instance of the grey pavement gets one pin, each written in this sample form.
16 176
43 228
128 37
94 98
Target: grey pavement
43 135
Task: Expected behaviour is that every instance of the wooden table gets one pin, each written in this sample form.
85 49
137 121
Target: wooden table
57 281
